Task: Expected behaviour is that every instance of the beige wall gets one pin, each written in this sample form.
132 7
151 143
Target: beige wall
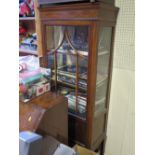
120 133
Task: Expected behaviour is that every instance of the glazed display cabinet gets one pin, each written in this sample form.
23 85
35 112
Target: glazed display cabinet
77 42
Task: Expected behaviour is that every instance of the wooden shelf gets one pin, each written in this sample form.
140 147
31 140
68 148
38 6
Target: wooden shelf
71 75
103 53
27 51
70 85
26 18
75 116
71 52
101 80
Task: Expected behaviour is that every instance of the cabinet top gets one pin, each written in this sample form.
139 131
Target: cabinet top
79 11
77 6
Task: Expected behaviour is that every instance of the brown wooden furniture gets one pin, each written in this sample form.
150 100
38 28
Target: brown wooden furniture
29 116
47 115
77 42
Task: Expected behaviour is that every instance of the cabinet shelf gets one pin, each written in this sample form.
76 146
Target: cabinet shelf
101 80
26 18
28 51
77 117
100 101
70 85
64 72
71 52
103 53
72 75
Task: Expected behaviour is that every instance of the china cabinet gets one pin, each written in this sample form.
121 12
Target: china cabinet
77 42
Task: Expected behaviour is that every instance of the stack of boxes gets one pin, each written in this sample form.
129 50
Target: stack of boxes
33 81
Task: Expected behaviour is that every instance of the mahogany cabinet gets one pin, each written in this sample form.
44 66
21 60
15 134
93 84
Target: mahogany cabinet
77 42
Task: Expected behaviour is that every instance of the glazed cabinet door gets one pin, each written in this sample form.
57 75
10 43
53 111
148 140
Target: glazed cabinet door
102 77
68 52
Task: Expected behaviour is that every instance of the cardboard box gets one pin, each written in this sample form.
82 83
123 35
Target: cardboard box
83 151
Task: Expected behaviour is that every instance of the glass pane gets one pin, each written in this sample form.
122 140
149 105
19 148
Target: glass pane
82 84
79 37
68 60
102 68
104 40
53 39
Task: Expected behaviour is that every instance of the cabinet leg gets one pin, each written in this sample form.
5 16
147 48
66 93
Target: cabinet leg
102 148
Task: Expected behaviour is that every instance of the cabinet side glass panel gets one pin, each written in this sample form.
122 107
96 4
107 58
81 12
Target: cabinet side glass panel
68 59
104 46
102 67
